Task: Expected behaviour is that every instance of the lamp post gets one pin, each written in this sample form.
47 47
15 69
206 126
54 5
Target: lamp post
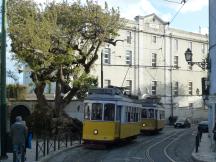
188 58
102 69
3 114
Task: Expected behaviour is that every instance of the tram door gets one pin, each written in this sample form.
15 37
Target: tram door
118 118
156 119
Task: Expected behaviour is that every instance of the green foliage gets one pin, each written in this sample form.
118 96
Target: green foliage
16 91
86 84
59 43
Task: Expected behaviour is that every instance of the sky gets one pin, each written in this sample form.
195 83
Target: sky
192 16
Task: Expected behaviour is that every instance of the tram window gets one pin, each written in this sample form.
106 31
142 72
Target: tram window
109 112
144 113
156 114
118 113
97 109
151 113
86 112
135 115
129 114
163 115
160 114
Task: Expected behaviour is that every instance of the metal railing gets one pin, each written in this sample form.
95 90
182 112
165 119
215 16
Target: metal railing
46 145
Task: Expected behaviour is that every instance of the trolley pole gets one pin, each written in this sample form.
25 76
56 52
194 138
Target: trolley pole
3 114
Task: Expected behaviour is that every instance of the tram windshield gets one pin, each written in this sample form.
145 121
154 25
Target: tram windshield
144 113
97 111
151 113
109 112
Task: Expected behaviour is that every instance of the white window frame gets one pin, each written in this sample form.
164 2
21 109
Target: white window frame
129 86
129 37
190 88
176 61
128 57
154 59
176 88
154 39
154 87
107 56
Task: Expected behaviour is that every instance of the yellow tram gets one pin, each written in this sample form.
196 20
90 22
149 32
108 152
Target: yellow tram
152 116
110 116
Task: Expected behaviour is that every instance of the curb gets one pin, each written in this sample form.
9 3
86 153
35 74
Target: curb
58 153
195 159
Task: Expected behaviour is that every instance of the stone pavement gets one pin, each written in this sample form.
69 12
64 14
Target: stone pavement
30 154
204 153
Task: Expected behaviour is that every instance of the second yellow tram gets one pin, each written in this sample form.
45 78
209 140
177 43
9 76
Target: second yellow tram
152 116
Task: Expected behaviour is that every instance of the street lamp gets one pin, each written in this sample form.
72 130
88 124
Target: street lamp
188 58
3 105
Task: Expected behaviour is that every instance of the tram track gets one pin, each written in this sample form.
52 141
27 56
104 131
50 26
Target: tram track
165 144
146 142
174 151
147 152
169 144
156 148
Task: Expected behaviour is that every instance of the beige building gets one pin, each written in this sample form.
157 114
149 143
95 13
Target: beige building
151 61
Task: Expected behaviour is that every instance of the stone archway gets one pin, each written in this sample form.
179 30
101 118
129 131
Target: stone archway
19 110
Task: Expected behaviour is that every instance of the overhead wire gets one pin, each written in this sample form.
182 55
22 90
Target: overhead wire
183 2
173 1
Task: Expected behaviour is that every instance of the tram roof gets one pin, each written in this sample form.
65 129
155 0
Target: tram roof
108 94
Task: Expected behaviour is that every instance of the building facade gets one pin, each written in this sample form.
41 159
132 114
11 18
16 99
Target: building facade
151 61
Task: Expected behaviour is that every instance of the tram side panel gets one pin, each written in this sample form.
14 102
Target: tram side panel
100 131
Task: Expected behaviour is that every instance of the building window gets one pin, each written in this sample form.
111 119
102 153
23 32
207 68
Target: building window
190 45
154 87
129 86
154 39
203 48
190 105
106 55
176 61
107 83
176 44
154 59
190 88
176 87
128 57
129 37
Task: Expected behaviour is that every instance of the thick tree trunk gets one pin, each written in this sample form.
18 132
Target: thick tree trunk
58 100
39 92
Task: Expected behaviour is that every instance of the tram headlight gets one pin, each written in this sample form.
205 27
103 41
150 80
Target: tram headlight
143 124
95 132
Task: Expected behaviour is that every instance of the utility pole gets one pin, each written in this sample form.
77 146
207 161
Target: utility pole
212 55
3 106
102 69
